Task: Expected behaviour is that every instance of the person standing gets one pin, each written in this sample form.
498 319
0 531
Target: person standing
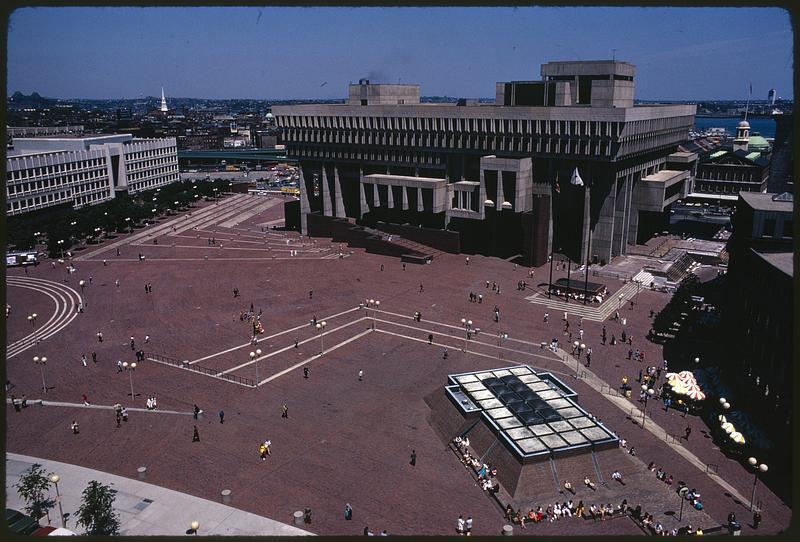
285 413
74 426
430 338
119 365
133 344
756 519
83 359
460 525
688 432
94 357
221 416
124 414
305 369
15 403
360 375
197 410
99 337
196 435
348 512
468 525
413 457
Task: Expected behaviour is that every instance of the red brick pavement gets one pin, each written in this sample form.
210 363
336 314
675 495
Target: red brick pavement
362 432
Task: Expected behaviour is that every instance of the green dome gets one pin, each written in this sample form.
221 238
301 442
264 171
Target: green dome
757 142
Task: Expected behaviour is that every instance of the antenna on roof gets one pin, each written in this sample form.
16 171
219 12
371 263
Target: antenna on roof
613 55
746 107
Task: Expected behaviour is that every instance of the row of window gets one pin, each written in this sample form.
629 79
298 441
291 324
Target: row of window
67 167
54 182
721 188
151 172
149 164
727 175
45 200
362 154
150 153
493 144
449 124
152 183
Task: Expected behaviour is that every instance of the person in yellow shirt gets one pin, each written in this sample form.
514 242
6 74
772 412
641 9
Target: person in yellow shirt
262 451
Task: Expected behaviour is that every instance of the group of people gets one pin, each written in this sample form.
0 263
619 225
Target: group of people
486 474
152 404
567 509
475 298
660 473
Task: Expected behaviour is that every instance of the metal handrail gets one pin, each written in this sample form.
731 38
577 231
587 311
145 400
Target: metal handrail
202 370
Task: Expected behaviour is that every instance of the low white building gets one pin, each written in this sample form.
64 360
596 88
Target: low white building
85 170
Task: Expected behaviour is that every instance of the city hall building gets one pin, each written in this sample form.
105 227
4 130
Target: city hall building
498 177
83 170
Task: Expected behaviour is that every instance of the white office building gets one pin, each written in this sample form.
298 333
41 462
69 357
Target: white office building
84 170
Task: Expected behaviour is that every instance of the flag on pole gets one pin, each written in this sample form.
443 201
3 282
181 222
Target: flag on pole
557 186
576 178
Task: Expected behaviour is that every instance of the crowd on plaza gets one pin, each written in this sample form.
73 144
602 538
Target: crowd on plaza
487 476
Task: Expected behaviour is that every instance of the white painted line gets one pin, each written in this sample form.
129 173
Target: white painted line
312 358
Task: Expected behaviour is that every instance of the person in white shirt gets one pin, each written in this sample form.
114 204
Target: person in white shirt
460 525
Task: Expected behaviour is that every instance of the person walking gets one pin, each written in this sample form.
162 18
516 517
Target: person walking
119 365
348 512
83 359
756 519
468 526
197 410
99 337
413 458
305 372
124 414
94 357
360 375
74 427
285 413
460 525
133 344
444 354
146 339
430 338
688 432
15 403
196 435
221 416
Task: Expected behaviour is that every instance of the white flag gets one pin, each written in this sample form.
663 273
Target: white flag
576 178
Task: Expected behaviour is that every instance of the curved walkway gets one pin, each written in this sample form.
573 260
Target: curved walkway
65 299
145 509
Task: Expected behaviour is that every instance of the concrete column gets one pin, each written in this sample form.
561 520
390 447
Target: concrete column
587 224
364 208
501 197
416 171
376 199
305 206
326 193
420 206
390 202
405 198
338 193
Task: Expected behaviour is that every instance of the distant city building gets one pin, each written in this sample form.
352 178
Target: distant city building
50 171
164 107
498 176
200 142
42 131
723 174
759 309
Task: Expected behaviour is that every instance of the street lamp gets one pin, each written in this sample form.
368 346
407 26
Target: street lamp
500 336
619 307
696 361
374 304
60 243
320 328
130 367
55 478
32 320
254 358
128 222
756 469
195 525
82 284
41 362
649 392
467 328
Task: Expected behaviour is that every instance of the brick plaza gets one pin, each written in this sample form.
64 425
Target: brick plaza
346 440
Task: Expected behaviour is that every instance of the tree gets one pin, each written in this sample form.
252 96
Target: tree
96 512
31 488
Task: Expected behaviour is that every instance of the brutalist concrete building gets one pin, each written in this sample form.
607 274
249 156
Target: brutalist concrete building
498 178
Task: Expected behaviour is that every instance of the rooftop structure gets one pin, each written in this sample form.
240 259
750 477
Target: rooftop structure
534 415
164 107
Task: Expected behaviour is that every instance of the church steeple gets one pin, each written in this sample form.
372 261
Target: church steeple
164 107
742 136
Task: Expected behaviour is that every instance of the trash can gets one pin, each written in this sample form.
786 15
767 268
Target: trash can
226 496
508 530
142 471
298 517
735 528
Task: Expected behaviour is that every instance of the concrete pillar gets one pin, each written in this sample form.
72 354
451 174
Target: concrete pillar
420 206
587 224
326 193
376 198
501 197
305 206
363 193
390 202
337 187
405 198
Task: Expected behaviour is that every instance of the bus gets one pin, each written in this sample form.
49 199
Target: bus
14 259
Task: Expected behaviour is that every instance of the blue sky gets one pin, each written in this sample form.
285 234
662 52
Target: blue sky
679 53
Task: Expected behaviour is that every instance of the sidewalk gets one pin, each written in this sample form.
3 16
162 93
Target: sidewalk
144 509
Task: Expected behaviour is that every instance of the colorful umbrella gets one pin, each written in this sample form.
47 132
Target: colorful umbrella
679 389
728 427
672 376
686 374
695 394
737 437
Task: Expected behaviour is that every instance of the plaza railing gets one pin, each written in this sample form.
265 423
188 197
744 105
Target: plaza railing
249 382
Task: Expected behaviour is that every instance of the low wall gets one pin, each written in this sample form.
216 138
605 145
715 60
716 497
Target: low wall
444 240
343 231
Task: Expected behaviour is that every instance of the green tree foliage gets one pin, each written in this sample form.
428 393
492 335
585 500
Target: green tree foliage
31 488
96 512
688 287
